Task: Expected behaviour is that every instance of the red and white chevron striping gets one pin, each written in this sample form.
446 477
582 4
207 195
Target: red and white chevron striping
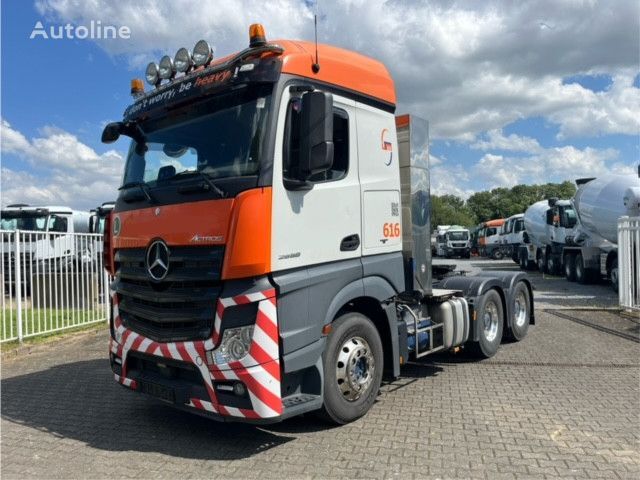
259 370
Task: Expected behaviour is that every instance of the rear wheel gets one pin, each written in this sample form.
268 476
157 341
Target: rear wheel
583 274
523 260
540 260
353 363
490 315
613 275
552 266
521 312
570 267
497 254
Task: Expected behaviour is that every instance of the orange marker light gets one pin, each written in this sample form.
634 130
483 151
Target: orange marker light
137 87
257 37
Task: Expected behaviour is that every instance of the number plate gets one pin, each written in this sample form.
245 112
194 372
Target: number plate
160 391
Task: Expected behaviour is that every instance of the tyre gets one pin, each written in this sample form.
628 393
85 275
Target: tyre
583 275
552 267
523 260
613 275
467 255
353 364
541 261
496 254
570 267
521 312
490 315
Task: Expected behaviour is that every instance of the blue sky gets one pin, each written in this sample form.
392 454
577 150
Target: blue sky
512 96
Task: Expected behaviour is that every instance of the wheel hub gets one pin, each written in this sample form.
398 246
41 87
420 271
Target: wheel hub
520 310
490 320
355 368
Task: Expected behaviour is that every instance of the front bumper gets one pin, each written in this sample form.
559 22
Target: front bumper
258 372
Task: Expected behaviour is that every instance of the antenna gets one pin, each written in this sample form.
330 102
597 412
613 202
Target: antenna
316 66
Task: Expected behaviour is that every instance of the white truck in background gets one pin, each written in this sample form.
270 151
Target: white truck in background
547 224
98 216
511 236
455 242
439 240
49 242
591 249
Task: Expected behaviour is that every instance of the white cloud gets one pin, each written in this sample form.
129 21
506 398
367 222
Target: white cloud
467 66
555 164
68 171
498 141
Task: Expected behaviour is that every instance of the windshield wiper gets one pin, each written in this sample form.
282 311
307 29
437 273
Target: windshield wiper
144 188
221 193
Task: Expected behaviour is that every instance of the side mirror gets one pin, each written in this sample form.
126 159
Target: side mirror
549 217
316 134
112 132
552 201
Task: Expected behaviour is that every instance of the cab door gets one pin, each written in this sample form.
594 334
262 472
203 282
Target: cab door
320 224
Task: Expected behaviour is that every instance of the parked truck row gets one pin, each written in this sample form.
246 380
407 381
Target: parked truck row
578 237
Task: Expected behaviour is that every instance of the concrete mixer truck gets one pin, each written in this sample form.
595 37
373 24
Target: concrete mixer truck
547 224
591 249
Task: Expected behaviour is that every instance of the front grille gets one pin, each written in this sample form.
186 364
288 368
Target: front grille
178 308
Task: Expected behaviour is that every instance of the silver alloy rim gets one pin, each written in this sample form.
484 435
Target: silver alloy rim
614 276
355 368
490 319
520 309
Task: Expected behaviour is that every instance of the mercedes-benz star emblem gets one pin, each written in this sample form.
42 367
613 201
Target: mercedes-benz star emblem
158 260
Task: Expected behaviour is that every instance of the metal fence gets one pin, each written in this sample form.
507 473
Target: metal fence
51 282
629 262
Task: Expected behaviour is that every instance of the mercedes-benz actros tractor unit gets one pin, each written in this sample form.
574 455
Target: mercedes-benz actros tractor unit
270 241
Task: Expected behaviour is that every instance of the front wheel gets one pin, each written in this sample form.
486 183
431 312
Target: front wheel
353 363
497 254
491 322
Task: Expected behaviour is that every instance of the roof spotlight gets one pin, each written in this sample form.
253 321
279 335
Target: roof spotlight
182 61
165 70
202 53
151 74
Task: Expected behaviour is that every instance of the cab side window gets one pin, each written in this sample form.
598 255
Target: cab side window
58 224
292 144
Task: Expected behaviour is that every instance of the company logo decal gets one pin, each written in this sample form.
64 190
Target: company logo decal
158 260
387 146
116 226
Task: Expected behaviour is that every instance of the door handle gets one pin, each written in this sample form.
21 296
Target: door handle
350 243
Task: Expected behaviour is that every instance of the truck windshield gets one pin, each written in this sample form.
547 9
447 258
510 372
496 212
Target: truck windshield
221 137
36 223
457 236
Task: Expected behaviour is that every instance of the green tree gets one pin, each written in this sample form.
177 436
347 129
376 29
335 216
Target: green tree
450 210
504 202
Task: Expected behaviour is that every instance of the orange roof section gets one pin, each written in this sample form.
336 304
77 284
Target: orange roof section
494 223
339 67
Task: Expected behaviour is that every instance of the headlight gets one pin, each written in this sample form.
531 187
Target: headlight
165 70
202 53
182 60
152 74
234 345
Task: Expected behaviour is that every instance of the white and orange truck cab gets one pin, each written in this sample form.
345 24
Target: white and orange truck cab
270 241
